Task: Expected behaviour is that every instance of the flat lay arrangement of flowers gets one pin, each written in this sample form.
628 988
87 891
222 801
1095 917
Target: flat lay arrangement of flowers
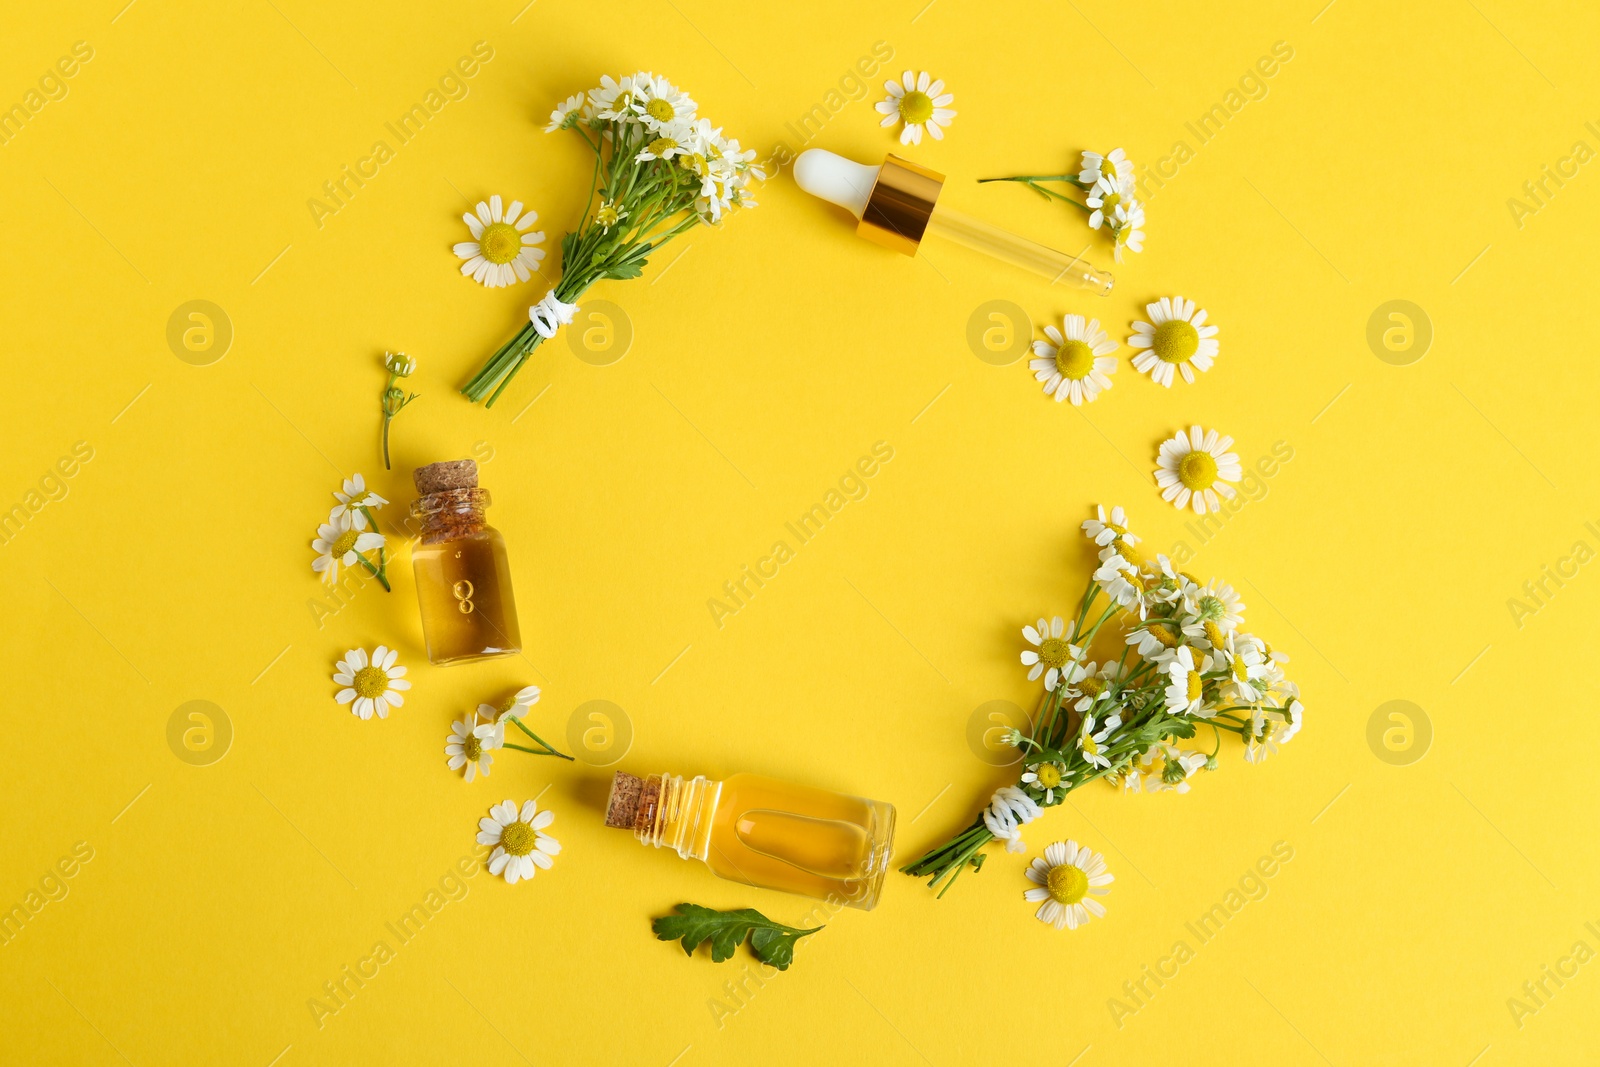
1142 680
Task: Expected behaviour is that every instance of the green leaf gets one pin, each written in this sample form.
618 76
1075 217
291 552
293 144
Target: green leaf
693 925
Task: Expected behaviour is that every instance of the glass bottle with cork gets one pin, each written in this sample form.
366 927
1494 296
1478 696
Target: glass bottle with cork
763 831
463 579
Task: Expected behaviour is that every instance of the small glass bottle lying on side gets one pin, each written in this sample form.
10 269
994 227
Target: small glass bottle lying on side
763 832
463 579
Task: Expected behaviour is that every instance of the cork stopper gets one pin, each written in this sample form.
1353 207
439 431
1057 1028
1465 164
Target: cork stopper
442 477
632 801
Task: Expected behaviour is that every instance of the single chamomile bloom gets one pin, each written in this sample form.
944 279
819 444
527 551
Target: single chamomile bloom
340 543
567 112
918 102
1091 744
1046 778
354 494
661 104
1067 880
1156 641
1112 576
520 843
608 214
501 250
1219 602
614 99
1076 362
371 685
1105 198
1127 229
1175 339
1096 684
517 706
669 142
1185 692
1115 164
1194 469
1104 529
1053 654
468 746
1168 767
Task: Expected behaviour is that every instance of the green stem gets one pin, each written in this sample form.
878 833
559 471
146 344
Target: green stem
549 748
376 573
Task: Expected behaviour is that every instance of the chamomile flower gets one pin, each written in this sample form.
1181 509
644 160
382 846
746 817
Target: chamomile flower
501 250
920 103
339 543
1127 229
1104 198
1053 654
1076 362
1167 767
1218 602
1185 689
371 685
1103 530
520 843
662 105
468 746
1114 165
568 112
1067 880
1196 468
1113 578
608 214
668 142
1241 655
1156 640
1044 777
355 495
1175 339
614 99
1096 684
517 706
1092 744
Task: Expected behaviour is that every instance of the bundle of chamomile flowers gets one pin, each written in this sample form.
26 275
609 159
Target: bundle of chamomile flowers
1185 670
1110 201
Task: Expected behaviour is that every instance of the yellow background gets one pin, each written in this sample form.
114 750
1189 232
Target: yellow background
766 358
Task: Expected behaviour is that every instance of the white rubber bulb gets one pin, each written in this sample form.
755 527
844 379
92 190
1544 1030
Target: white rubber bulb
833 178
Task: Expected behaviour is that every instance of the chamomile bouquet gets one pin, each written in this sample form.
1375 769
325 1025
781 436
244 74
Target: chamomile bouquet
660 170
1187 672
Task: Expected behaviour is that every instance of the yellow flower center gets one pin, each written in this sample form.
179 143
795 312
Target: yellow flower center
661 110
500 242
1163 635
1054 652
1091 687
371 682
517 839
1074 359
606 215
344 542
1109 202
661 146
1048 775
1090 746
472 747
1175 341
1197 470
694 162
1214 634
1195 683
916 107
1241 670
1067 883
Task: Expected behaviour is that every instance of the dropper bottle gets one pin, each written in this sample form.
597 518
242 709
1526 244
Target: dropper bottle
897 204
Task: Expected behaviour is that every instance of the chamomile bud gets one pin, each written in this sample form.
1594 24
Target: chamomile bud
399 364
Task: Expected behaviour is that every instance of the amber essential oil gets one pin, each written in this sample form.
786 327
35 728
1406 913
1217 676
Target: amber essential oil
463 578
763 832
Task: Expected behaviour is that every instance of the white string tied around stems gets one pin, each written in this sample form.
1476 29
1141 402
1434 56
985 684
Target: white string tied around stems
550 314
1008 811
